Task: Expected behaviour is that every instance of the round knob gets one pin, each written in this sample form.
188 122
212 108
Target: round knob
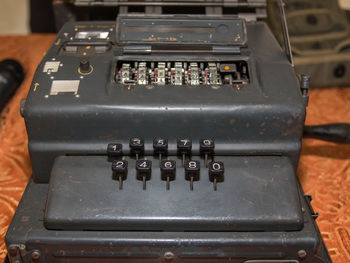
84 66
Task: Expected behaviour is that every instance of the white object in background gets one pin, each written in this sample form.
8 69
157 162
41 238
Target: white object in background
344 4
14 17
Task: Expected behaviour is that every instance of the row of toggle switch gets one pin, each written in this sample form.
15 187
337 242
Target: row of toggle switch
160 147
181 73
168 171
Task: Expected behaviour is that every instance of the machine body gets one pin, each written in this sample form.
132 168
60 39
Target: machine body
165 139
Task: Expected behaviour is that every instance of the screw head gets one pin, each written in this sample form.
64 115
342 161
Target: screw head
302 254
169 256
35 255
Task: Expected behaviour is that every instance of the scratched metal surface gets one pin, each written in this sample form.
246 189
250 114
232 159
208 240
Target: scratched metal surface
324 168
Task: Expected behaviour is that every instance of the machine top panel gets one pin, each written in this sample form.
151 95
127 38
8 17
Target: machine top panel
181 30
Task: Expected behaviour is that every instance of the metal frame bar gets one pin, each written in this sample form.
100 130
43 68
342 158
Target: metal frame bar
170 3
288 47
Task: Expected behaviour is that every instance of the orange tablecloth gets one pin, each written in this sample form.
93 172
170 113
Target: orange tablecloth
324 169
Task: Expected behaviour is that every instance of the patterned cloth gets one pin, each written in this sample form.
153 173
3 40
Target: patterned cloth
324 169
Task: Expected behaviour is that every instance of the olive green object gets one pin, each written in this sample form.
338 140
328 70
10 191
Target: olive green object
320 38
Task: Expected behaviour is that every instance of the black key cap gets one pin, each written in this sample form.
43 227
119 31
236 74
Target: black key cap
160 147
120 171
206 147
137 146
143 171
216 172
192 171
184 147
114 150
168 171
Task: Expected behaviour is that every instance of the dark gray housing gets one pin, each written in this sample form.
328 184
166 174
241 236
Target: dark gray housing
265 117
253 109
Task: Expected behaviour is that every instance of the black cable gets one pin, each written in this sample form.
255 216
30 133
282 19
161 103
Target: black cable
11 77
333 132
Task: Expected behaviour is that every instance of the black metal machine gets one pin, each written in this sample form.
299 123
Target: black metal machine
166 138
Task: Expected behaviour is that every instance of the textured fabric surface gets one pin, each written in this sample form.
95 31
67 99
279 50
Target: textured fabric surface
324 169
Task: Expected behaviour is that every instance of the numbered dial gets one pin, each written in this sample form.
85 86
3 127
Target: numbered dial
137 146
192 169
143 169
120 169
114 149
206 146
160 146
216 171
184 146
168 169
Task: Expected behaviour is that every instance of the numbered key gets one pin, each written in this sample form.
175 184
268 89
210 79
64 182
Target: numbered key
120 171
160 147
192 171
168 171
143 171
114 150
206 147
184 147
216 173
137 146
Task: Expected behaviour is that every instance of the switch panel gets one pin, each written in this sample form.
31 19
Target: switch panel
182 73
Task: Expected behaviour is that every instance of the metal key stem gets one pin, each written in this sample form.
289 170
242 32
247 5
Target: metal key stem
144 182
168 183
120 183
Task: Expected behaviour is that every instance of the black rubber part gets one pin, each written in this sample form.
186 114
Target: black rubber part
334 132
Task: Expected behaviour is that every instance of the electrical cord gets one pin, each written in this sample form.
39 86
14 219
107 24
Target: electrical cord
333 132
